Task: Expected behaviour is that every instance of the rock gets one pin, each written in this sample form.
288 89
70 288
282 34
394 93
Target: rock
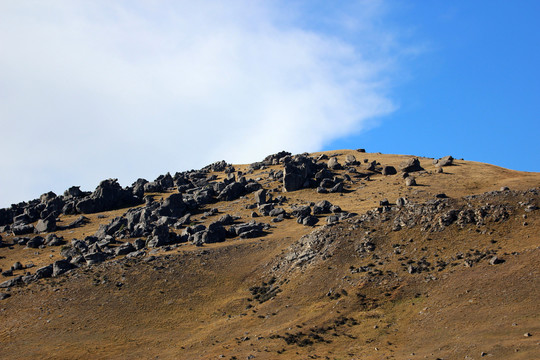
441 196
226 220
247 230
277 212
389 170
35 242
350 160
265 209
12 282
410 181
410 165
46 225
400 202
22 229
495 260
4 296
322 207
301 211
74 192
260 197
173 206
438 170
60 267
139 244
504 188
115 225
107 196
444 161
95 258
334 164
17 266
124 249
361 150
44 272
384 202
332 219
232 192
310 220
338 188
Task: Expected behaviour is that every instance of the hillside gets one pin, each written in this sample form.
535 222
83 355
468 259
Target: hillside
332 255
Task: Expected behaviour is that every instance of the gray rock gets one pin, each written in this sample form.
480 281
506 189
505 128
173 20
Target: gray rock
124 249
46 225
60 267
410 181
35 242
44 272
410 165
334 164
310 220
260 197
389 170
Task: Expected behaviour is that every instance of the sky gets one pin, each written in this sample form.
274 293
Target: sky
91 90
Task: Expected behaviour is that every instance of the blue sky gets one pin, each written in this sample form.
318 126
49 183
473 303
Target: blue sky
474 90
129 89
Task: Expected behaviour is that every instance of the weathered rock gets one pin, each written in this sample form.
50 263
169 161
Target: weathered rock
22 229
334 164
389 170
60 267
4 296
95 258
173 206
410 181
301 211
350 160
35 242
444 161
115 225
410 165
44 272
310 220
46 225
260 197
322 207
124 249
232 192
107 196
495 260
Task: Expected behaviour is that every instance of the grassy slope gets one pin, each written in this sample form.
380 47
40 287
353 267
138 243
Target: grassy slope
192 304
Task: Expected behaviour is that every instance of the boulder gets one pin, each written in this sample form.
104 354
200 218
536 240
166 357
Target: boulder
260 197
410 165
444 161
322 207
350 160
107 196
310 220
389 170
334 164
44 272
173 206
232 192
35 242
410 181
46 225
60 267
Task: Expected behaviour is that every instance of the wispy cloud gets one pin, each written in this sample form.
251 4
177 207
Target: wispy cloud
91 90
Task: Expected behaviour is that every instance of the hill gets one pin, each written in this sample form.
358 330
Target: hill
333 255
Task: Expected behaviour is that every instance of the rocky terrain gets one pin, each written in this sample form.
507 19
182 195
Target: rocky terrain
335 255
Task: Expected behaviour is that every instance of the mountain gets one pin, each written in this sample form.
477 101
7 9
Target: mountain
332 255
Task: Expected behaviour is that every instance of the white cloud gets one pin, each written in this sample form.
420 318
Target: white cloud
92 90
